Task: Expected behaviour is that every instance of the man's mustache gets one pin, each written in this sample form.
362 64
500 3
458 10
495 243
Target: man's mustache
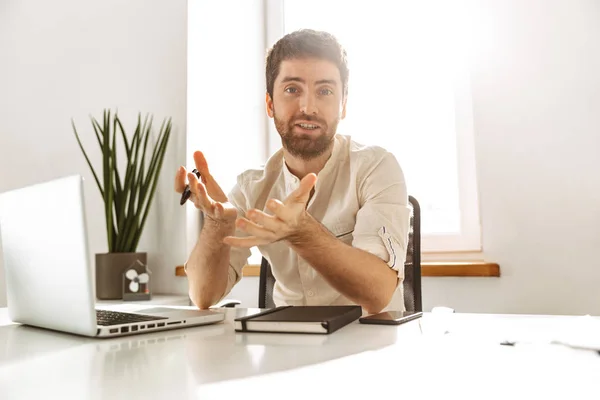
310 118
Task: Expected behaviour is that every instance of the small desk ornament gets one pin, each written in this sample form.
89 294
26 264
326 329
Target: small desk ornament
136 282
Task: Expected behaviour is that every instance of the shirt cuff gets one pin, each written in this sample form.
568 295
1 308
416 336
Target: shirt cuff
386 247
392 247
396 252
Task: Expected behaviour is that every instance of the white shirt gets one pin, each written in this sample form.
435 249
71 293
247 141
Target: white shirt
360 196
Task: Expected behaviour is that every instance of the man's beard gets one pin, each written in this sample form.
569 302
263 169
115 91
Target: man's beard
306 147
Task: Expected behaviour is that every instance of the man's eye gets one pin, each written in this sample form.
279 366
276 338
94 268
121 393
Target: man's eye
325 92
291 90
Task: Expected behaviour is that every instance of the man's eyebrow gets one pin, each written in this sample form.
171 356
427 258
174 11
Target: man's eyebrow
292 79
300 80
331 82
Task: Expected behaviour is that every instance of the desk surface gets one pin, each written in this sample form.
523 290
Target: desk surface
456 355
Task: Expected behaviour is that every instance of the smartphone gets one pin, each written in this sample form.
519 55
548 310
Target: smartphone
391 317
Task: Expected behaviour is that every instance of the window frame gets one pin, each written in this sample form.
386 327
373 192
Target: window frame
469 239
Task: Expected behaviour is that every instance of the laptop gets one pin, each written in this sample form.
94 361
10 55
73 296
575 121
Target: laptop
49 279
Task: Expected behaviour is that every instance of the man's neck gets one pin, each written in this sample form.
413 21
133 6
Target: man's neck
300 167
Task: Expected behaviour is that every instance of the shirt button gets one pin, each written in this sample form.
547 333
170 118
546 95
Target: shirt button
310 293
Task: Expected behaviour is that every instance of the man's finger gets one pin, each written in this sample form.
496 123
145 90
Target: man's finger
201 164
302 194
213 188
180 180
270 222
254 229
287 212
199 191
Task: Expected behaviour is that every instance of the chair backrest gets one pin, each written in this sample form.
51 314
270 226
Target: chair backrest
412 268
412 265
266 284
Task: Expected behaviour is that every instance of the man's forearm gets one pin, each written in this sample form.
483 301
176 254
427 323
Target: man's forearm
360 276
208 265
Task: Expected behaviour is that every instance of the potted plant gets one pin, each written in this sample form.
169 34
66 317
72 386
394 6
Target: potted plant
127 192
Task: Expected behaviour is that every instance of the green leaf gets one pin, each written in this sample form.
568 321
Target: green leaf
97 131
128 184
118 188
137 172
158 158
87 159
107 172
123 135
127 198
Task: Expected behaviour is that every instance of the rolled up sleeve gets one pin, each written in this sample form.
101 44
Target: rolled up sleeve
382 222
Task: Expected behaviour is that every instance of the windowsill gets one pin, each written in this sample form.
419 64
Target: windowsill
428 268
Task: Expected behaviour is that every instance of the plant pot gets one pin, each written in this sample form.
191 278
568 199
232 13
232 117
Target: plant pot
109 273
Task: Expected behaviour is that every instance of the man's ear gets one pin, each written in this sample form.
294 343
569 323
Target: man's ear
269 105
344 101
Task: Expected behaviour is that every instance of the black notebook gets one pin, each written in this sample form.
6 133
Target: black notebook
299 319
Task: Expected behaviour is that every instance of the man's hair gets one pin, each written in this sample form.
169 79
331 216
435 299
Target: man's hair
306 43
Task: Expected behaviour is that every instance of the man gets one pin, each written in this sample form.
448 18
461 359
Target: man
331 216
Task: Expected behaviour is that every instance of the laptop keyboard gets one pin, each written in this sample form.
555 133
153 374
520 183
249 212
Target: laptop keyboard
106 318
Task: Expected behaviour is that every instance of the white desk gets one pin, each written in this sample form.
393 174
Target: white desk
415 360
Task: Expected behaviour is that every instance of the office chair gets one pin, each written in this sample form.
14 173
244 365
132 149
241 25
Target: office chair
412 268
412 265
265 285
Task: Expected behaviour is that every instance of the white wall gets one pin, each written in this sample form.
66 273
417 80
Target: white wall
67 59
536 95
226 117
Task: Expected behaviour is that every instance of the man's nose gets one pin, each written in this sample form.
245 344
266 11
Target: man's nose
308 105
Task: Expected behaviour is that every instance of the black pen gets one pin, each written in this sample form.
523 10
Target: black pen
187 192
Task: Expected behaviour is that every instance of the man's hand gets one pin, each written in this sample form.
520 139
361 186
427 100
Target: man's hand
287 221
206 195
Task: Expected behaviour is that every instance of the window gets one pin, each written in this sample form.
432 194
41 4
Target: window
409 93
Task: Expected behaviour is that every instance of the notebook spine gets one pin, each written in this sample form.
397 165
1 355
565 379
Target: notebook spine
242 320
337 323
